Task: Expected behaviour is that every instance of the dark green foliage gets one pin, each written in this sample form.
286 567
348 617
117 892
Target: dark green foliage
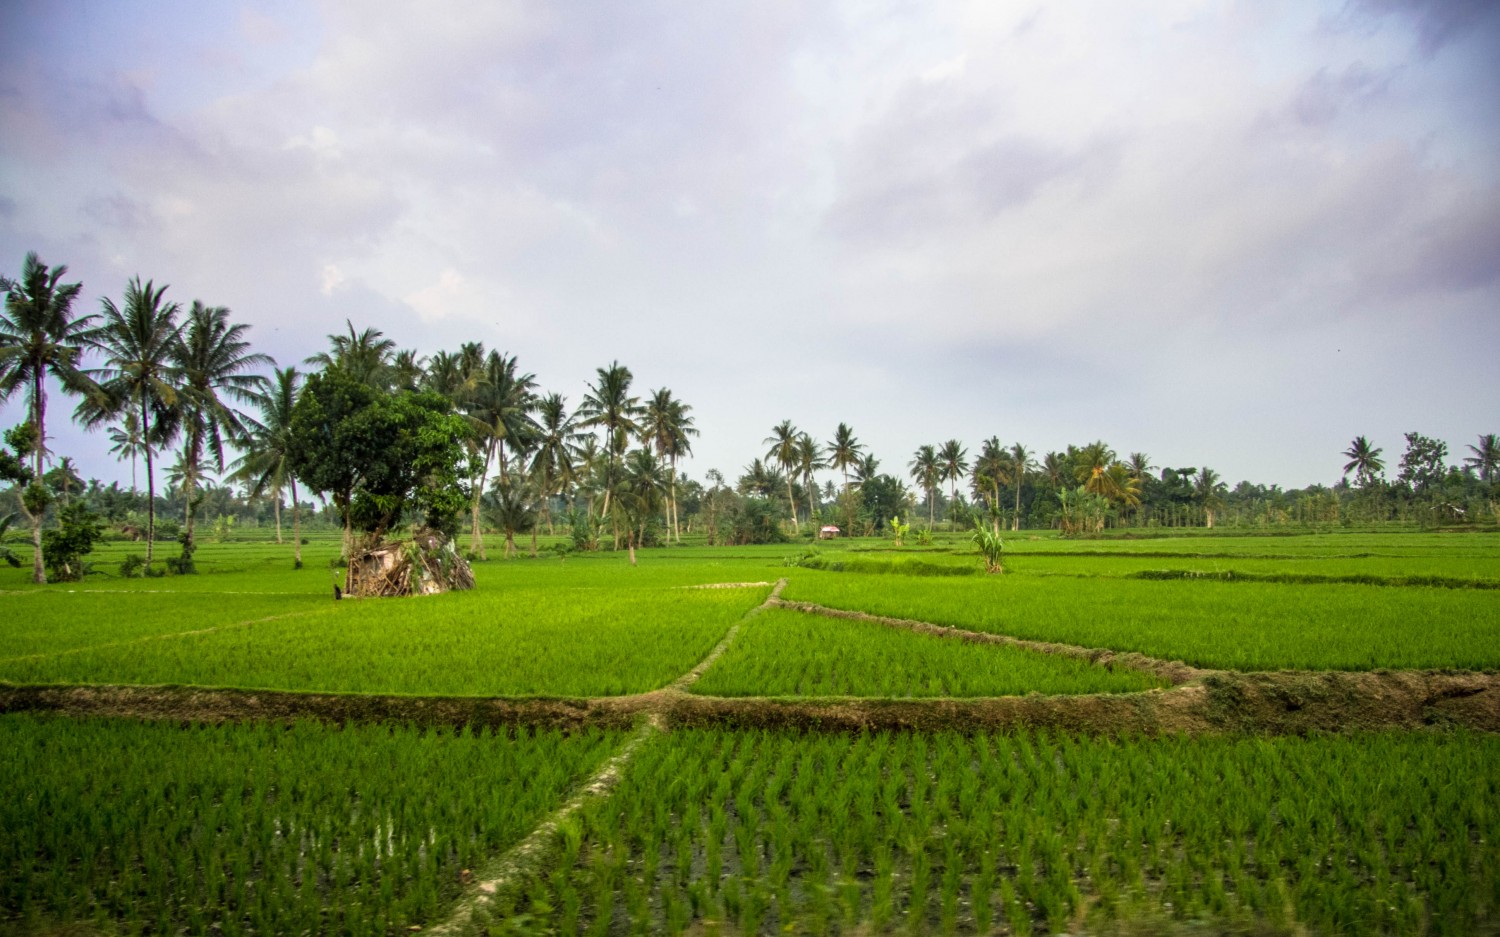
132 566
1422 465
182 564
755 521
382 457
883 497
64 547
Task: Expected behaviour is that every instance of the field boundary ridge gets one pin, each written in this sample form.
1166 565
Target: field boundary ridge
1175 672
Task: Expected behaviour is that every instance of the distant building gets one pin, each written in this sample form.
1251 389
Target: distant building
828 532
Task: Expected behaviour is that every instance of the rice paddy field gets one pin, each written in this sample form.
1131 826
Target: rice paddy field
182 818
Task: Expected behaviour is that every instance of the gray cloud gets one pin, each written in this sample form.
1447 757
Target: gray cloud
928 221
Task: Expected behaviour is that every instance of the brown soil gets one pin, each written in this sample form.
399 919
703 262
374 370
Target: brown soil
1269 703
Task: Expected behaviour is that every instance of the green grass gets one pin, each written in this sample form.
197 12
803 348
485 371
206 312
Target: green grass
261 829
488 642
784 653
51 621
1241 626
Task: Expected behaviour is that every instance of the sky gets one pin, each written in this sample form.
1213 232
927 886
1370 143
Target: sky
1234 234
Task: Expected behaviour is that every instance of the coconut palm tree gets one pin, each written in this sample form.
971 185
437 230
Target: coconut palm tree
213 358
927 471
1208 490
407 370
1486 458
497 402
866 468
1364 462
991 469
512 506
608 405
667 428
263 466
365 356
809 460
1091 467
640 496
953 465
1021 463
554 461
128 443
784 449
39 336
136 340
844 451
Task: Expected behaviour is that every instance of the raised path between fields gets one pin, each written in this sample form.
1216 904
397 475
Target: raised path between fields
1200 702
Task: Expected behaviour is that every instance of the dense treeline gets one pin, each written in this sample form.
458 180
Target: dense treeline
465 441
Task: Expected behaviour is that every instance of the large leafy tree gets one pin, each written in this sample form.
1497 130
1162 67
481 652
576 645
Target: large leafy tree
380 457
40 337
926 470
1423 463
136 340
785 451
667 428
265 465
1364 462
215 362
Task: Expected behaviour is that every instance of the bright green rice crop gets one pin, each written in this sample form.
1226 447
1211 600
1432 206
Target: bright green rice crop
1242 626
262 829
767 832
784 653
46 622
518 642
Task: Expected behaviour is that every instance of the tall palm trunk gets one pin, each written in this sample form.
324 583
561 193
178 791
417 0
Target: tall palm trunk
476 538
150 484
296 525
1015 523
39 415
276 512
791 502
190 456
672 480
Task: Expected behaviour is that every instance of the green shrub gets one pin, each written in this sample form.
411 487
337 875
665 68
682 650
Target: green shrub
63 548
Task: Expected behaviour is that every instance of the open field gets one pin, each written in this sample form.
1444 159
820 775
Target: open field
1279 811
1241 626
262 828
787 654
775 833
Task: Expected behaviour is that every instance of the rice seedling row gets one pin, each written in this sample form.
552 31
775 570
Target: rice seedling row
785 653
533 642
1239 626
746 833
262 829
53 622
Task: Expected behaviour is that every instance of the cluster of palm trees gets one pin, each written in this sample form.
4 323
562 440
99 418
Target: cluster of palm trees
166 378
1366 464
539 451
